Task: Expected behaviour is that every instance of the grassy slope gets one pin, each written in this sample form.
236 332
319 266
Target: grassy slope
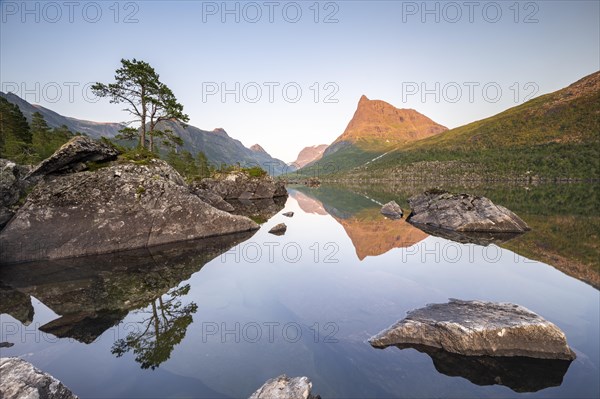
550 136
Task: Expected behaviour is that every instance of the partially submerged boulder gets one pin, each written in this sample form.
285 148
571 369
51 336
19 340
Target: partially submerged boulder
284 387
240 185
477 328
462 212
21 380
72 156
278 229
115 208
288 214
392 210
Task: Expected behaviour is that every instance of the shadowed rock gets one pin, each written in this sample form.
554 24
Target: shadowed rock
13 187
258 210
462 212
521 374
239 185
212 199
116 208
73 155
20 380
284 387
278 229
392 210
476 328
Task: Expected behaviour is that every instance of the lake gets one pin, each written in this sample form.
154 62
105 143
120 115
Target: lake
217 318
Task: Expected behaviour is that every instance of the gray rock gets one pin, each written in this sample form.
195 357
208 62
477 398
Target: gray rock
115 208
278 229
12 188
288 214
21 380
284 387
476 328
212 198
392 210
72 156
463 212
239 185
258 210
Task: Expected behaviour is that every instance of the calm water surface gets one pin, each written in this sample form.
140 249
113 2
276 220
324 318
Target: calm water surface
217 318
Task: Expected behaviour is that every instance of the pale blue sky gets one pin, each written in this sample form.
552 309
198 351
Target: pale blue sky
381 49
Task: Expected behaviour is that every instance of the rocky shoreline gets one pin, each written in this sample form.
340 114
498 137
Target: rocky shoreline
62 209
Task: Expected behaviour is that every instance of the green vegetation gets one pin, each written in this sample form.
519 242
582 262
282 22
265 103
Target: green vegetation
24 143
148 99
553 136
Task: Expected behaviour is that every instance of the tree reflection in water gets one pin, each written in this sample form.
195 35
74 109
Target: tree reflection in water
164 326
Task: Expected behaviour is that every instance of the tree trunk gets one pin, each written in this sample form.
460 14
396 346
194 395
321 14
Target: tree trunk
143 134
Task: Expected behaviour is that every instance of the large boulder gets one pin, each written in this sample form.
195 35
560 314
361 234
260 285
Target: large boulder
392 210
21 380
462 212
477 328
240 185
13 187
115 208
284 387
72 156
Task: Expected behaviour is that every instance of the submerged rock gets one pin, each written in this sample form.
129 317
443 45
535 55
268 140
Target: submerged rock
239 185
73 155
116 208
521 374
284 387
278 229
462 212
392 210
476 328
21 380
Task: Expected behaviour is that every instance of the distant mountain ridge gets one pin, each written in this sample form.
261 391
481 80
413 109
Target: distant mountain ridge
555 135
375 128
55 120
216 144
308 155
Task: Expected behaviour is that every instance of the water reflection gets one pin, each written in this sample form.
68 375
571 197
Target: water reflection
371 233
163 327
521 374
94 293
564 219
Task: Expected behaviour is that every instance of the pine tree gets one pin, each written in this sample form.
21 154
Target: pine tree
15 135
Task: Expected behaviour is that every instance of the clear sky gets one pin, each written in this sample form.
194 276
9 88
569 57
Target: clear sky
298 69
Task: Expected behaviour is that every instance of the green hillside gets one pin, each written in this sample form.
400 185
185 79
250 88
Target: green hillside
556 135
